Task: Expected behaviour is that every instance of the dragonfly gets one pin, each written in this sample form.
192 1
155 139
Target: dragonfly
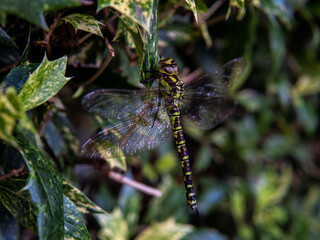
148 117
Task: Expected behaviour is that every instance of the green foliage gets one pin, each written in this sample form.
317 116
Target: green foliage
84 23
256 175
33 10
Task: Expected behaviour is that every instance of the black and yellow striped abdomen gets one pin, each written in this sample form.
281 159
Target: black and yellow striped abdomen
173 90
174 114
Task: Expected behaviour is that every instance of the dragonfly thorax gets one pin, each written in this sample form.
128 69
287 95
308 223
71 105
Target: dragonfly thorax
168 66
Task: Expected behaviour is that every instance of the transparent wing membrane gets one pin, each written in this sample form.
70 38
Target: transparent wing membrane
140 133
145 122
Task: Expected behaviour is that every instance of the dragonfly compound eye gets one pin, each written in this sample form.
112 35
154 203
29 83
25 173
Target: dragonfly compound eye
171 69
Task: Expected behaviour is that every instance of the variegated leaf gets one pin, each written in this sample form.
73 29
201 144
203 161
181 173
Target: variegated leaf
44 82
84 22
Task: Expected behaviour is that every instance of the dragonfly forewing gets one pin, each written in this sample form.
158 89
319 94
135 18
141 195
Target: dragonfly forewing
118 103
139 133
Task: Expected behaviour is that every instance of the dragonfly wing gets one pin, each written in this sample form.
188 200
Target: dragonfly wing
145 132
206 113
118 103
206 102
218 82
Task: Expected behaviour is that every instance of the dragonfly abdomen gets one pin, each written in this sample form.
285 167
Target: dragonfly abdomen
174 114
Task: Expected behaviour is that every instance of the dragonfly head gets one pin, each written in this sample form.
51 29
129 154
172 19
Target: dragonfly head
168 66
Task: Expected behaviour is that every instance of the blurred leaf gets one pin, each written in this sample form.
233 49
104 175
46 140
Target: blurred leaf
171 203
11 115
277 46
44 82
272 188
45 186
166 162
132 35
165 230
280 9
113 226
83 203
205 234
8 49
10 112
84 22
204 158
238 203
74 226
130 205
132 72
19 75
211 195
61 138
33 10
238 4
19 203
138 11
192 5
8 224
251 100
307 85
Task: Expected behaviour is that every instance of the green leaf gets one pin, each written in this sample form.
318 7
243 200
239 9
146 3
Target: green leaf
84 22
113 226
19 75
84 204
166 230
238 4
10 112
130 202
192 5
44 82
131 33
138 11
33 10
19 203
8 49
45 186
151 56
74 227
61 137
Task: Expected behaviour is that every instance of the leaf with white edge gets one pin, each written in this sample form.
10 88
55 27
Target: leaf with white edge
19 203
84 22
33 10
139 10
45 187
44 82
84 204
166 230
192 5
74 227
